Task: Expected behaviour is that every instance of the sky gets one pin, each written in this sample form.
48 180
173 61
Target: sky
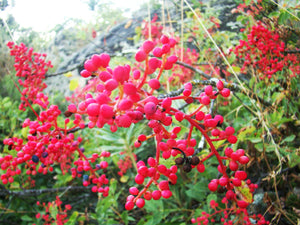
42 15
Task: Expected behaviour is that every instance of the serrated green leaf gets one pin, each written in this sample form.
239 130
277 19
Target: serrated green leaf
197 191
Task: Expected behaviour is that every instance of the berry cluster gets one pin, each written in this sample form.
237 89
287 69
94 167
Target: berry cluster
61 216
32 67
240 213
120 97
264 51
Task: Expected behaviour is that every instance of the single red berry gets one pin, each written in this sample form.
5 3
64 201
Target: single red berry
140 56
140 203
134 191
154 84
213 186
129 205
156 194
148 46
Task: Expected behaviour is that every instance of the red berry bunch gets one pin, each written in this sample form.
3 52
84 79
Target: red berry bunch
61 216
264 51
32 67
156 29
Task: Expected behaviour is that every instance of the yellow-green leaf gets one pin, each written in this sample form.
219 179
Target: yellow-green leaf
73 84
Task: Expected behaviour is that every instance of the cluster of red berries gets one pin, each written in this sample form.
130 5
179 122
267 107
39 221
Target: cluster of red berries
123 96
156 29
61 216
264 51
125 164
32 67
224 215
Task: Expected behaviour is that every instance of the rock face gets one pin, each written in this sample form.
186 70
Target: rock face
118 41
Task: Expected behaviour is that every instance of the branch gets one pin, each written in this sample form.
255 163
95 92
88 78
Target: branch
36 192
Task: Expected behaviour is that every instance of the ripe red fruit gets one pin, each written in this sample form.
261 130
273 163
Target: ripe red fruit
148 46
133 190
220 85
106 111
166 194
164 185
208 90
233 165
124 121
200 168
200 116
111 84
129 205
232 139
105 58
157 52
154 84
140 56
89 66
93 109
85 73
205 100
213 186
120 74
140 203
242 204
242 175
225 92
139 179
129 89
156 194
243 159
150 108
104 76
125 104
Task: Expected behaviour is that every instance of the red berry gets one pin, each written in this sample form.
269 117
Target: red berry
129 89
85 73
111 84
200 168
150 108
166 194
242 175
156 194
148 46
213 186
129 205
225 92
220 85
93 109
134 191
139 179
233 165
125 104
140 203
154 84
106 111
157 52
140 56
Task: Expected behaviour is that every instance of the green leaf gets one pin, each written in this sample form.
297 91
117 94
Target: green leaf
236 69
26 218
73 84
197 191
73 218
289 139
255 140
